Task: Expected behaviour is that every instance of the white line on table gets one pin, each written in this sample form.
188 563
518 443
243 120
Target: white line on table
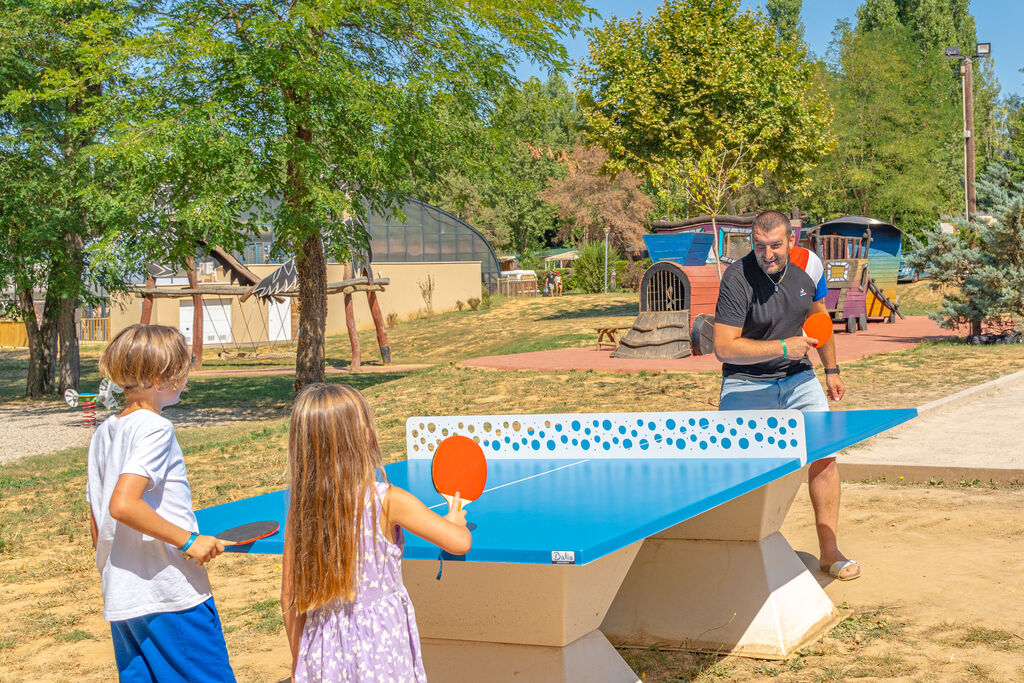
517 481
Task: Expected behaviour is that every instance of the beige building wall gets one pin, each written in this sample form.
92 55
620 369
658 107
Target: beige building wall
452 282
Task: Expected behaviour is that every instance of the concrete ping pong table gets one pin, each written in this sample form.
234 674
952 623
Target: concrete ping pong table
625 528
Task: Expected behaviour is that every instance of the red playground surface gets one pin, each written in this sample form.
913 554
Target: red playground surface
878 338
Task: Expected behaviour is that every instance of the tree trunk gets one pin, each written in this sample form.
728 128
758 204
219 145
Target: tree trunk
41 344
197 316
147 302
312 272
67 328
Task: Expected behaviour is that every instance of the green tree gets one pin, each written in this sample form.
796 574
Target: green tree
897 155
589 267
520 147
322 109
980 270
55 195
703 100
785 15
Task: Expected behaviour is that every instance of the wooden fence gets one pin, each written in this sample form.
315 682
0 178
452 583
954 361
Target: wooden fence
12 333
94 330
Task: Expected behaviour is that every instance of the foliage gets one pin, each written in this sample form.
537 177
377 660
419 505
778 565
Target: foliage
588 268
785 15
298 116
521 146
590 202
55 196
897 154
702 100
980 269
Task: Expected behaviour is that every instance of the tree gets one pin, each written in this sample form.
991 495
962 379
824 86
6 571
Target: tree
785 15
588 268
980 269
518 150
330 108
55 195
590 202
703 100
897 155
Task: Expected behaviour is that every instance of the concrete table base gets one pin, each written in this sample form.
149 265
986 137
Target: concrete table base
522 622
725 581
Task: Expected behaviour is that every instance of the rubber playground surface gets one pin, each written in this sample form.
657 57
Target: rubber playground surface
878 338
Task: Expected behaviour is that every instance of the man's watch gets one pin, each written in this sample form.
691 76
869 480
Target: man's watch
832 371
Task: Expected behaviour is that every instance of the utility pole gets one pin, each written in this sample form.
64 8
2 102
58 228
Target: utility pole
967 82
606 231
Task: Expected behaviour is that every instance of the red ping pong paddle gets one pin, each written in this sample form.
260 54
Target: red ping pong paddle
459 470
247 533
818 326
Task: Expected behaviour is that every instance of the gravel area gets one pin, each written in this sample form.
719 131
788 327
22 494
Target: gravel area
31 428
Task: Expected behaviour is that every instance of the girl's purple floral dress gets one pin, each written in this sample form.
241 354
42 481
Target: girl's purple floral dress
375 638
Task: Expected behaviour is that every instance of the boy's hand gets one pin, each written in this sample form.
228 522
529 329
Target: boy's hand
204 549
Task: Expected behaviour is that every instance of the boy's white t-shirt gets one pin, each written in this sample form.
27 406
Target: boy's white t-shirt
142 575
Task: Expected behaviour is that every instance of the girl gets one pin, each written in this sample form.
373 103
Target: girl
156 594
347 615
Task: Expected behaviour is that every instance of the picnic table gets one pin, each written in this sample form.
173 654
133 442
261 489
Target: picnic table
609 336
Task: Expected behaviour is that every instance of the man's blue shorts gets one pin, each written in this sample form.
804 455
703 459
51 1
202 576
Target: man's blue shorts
801 391
172 647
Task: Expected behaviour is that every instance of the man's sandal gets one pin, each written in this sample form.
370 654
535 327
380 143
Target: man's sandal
839 565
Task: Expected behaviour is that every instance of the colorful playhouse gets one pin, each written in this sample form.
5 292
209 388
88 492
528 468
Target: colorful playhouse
884 244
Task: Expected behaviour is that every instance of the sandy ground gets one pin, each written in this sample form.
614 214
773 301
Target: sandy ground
936 562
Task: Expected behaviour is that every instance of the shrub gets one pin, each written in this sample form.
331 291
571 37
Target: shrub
633 273
459 305
473 303
392 319
588 268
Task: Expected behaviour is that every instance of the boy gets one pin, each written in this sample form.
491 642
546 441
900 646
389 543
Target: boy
156 594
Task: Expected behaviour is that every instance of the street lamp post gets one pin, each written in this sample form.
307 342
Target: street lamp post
967 83
606 231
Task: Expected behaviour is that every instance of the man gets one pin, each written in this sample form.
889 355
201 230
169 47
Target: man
764 299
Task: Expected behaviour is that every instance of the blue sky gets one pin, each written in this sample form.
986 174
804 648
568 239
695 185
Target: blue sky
998 22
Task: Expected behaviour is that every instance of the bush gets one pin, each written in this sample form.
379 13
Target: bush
588 268
633 273
459 305
392 319
473 303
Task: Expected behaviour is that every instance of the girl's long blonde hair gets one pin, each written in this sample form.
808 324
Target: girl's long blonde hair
333 459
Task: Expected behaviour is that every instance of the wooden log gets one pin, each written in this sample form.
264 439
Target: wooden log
702 336
353 337
343 287
378 324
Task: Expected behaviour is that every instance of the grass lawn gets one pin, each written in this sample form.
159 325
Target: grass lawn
52 592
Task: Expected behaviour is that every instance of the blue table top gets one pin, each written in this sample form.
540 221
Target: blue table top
576 510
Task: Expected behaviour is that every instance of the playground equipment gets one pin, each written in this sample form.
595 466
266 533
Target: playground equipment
104 394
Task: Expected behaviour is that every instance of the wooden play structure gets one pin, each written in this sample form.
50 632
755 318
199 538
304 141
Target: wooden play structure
883 255
845 259
358 277
680 284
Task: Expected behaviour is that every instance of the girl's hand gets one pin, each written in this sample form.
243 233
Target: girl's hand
204 549
456 516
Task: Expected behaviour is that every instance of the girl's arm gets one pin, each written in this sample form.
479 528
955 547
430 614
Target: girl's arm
294 620
448 532
127 507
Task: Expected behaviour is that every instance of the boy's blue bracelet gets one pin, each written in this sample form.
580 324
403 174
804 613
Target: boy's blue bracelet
189 542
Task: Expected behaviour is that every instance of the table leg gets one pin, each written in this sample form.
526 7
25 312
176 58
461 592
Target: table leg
724 581
518 622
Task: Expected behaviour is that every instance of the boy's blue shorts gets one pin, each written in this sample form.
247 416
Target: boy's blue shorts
172 646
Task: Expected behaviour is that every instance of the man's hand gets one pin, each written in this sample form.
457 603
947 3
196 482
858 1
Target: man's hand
204 549
835 386
797 347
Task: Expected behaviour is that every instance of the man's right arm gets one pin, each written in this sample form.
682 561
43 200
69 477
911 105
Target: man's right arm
732 347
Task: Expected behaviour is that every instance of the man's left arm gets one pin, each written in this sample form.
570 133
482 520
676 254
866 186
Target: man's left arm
827 352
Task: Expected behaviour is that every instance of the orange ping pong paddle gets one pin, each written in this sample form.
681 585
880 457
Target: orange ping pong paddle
459 470
818 326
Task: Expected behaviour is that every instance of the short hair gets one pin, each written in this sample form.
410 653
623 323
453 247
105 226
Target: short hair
766 221
141 356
